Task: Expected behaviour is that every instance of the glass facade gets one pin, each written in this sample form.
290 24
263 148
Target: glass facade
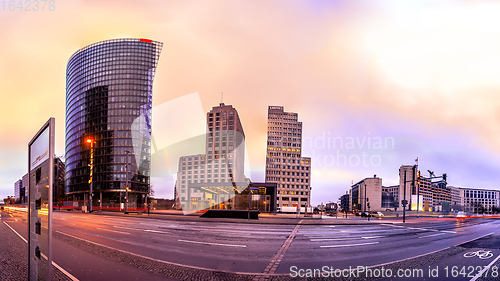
108 102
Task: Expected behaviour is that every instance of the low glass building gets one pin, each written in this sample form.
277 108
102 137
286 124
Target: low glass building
109 87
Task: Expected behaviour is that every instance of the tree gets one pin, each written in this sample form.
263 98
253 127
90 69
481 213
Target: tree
151 191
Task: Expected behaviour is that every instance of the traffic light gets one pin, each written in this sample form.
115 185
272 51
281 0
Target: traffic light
418 177
444 177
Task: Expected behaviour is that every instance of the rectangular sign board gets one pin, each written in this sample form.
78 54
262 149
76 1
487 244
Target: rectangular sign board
40 184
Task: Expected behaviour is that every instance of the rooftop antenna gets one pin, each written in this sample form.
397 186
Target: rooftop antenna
221 96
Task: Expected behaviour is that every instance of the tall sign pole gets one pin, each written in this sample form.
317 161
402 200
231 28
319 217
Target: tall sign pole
418 185
40 192
404 200
91 165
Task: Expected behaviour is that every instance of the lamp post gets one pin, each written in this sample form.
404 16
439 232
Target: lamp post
126 184
404 200
91 165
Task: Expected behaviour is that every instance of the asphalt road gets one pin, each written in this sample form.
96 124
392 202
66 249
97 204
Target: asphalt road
268 248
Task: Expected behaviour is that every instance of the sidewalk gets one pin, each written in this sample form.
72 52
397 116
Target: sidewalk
14 257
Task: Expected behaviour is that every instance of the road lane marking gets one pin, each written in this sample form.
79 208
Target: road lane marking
16 232
474 239
275 262
419 228
344 239
156 231
188 267
431 235
484 269
128 228
53 263
147 230
209 243
349 245
113 231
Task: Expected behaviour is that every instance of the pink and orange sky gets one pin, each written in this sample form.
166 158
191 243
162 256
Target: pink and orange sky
424 75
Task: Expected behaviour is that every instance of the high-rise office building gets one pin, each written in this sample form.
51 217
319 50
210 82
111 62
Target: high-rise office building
109 88
18 191
220 167
406 189
25 180
285 165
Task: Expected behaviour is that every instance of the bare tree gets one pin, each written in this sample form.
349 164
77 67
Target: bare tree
151 191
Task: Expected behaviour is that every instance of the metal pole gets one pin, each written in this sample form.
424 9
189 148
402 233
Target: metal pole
249 202
418 189
91 174
369 213
100 201
404 200
365 199
418 186
126 183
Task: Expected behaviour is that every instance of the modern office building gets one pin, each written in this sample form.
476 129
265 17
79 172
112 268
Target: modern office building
58 195
389 197
285 165
406 189
344 203
441 196
18 191
480 201
367 195
25 180
456 200
212 179
109 88
57 188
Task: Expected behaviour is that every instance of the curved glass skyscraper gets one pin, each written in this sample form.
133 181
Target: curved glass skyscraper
108 120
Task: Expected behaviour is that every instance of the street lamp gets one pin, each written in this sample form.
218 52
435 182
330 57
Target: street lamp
126 184
91 165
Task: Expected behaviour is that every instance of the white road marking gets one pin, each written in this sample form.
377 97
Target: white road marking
123 227
156 231
209 243
349 245
419 228
344 239
53 263
437 234
113 230
484 269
